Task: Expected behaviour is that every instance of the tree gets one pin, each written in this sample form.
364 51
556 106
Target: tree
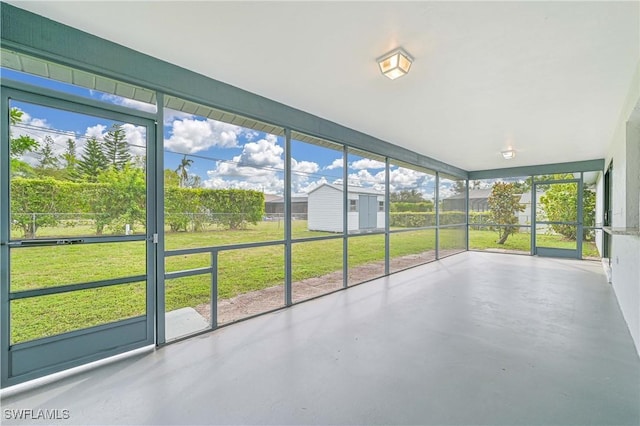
560 203
406 196
48 159
183 171
503 205
171 178
19 146
123 200
70 158
116 148
459 186
194 181
92 162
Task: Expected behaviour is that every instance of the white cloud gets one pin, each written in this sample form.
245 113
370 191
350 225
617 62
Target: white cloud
251 135
310 186
264 153
170 115
260 167
407 179
365 179
367 163
98 131
130 103
34 122
268 183
190 135
337 164
255 168
446 190
304 166
300 176
136 138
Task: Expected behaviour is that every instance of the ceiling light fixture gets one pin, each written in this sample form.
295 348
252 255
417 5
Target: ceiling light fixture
395 63
508 154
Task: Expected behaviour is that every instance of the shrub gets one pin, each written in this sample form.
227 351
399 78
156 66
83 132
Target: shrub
422 219
119 199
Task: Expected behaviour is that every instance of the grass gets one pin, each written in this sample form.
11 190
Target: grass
239 271
521 242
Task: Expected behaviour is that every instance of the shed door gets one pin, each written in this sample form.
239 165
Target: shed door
368 211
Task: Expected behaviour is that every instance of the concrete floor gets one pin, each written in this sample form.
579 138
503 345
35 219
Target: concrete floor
476 338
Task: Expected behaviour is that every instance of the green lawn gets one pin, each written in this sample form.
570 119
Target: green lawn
240 271
521 242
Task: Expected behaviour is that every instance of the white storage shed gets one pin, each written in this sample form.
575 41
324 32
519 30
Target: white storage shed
366 210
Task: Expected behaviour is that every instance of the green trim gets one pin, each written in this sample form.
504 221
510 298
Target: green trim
159 267
5 235
556 252
71 100
38 36
91 344
544 169
47 291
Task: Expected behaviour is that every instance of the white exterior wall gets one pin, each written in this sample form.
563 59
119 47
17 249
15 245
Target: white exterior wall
380 219
353 219
524 217
325 210
625 261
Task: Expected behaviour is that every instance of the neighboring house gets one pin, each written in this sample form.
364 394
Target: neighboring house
478 201
366 210
274 206
524 217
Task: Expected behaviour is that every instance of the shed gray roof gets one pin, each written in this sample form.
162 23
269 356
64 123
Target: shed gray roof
271 197
474 194
350 188
294 199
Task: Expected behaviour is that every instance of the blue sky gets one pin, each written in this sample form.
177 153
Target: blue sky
224 155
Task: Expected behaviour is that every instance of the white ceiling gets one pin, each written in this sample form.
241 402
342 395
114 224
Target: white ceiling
546 78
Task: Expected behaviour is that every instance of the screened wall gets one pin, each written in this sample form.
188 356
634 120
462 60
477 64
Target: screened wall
211 216
551 214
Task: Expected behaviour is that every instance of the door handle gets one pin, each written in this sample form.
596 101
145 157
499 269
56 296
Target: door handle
46 242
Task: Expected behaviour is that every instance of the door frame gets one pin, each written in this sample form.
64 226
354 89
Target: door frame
551 251
36 358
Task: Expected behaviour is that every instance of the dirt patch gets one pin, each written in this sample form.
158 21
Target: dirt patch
255 302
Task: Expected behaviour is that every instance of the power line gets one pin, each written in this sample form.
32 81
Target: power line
68 133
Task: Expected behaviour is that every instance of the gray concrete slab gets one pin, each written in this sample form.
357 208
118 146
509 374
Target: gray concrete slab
476 338
182 322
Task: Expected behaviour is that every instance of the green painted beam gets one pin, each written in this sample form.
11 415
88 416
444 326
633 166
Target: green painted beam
544 169
33 34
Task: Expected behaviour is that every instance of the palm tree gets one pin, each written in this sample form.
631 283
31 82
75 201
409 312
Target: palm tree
183 170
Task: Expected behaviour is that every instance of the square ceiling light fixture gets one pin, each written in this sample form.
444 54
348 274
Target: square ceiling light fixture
395 63
508 154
